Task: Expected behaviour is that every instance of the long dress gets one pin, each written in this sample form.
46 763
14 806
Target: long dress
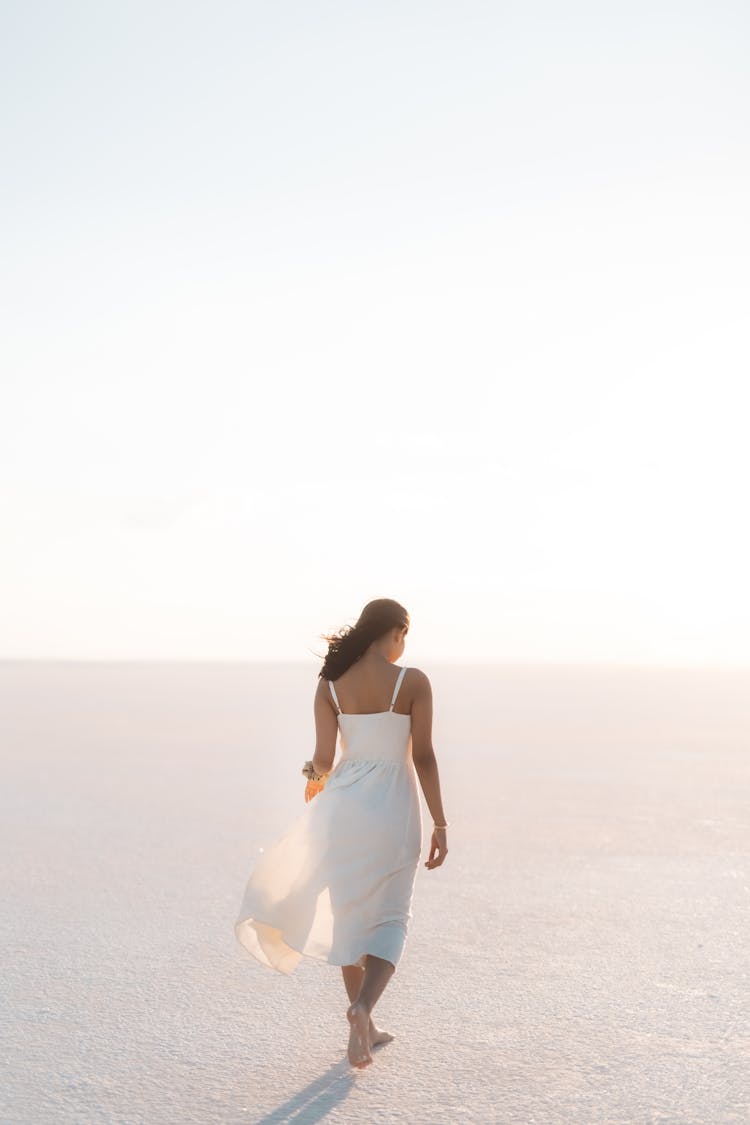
339 884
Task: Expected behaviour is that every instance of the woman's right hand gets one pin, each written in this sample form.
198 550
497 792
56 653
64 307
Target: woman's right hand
438 847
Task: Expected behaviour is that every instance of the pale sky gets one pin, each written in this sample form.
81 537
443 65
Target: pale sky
312 303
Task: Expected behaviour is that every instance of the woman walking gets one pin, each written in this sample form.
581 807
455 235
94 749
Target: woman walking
338 885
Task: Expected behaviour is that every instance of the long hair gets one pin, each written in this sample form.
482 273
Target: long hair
345 647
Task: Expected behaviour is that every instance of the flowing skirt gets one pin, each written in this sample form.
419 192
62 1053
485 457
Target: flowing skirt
339 883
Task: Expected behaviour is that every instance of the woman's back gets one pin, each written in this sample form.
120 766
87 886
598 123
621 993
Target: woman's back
367 687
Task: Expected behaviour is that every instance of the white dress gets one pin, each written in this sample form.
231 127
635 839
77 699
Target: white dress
339 884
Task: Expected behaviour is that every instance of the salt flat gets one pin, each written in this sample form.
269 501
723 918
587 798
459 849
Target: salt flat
582 957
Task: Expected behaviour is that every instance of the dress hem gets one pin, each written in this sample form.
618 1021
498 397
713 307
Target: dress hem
326 960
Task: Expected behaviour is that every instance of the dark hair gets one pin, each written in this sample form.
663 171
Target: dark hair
351 642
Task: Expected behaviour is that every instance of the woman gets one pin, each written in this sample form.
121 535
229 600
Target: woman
338 886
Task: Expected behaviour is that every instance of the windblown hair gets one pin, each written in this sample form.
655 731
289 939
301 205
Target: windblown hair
351 642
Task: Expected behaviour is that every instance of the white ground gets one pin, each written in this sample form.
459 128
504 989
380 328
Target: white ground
582 957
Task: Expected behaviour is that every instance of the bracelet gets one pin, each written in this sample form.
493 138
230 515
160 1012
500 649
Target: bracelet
310 774
440 825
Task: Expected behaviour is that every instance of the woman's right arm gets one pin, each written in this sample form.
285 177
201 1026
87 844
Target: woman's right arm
425 763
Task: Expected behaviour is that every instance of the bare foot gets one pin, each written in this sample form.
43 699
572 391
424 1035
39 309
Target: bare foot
359 1038
377 1037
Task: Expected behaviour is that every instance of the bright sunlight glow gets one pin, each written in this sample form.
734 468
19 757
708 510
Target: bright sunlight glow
311 304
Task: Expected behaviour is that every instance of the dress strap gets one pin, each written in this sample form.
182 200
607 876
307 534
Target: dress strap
398 685
335 698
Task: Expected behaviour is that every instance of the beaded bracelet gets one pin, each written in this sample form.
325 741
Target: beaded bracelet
440 825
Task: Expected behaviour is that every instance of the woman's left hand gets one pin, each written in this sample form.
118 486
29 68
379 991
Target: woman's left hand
312 789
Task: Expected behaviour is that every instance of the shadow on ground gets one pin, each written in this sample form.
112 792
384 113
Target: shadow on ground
316 1100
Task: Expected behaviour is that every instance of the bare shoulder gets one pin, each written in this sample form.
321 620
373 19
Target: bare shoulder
418 677
323 693
419 683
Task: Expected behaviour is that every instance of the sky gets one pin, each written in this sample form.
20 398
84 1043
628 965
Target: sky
306 304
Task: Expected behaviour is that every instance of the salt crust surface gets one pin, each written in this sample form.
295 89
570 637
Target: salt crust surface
582 957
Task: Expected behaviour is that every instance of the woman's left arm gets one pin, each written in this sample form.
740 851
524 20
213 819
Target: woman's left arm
326 730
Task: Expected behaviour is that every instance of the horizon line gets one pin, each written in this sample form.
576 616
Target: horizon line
541 662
